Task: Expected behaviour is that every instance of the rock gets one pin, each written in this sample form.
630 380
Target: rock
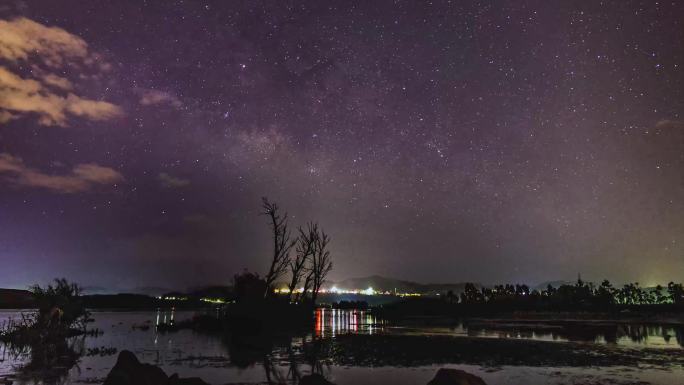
129 371
175 380
314 379
455 377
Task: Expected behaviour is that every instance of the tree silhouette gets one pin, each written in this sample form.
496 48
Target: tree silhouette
471 294
282 243
676 291
59 306
249 287
321 263
306 243
660 298
606 293
450 296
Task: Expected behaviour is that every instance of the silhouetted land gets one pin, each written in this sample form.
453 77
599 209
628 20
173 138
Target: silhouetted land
579 301
393 350
16 299
261 325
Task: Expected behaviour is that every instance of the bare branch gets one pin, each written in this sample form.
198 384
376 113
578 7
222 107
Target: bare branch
321 263
282 243
304 249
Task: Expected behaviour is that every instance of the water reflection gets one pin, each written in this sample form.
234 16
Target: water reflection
332 322
621 334
165 317
48 361
350 338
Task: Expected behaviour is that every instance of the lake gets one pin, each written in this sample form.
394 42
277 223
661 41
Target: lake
355 347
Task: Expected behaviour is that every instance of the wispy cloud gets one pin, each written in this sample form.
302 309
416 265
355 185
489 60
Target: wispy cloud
82 177
22 38
48 96
57 81
667 124
20 96
150 97
171 181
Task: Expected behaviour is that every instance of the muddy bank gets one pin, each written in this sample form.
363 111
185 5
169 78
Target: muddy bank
395 350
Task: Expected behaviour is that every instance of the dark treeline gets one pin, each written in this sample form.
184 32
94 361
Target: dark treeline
510 298
581 294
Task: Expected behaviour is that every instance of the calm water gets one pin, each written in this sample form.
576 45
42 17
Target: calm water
218 362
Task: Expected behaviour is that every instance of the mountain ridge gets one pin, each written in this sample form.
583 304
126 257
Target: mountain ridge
382 283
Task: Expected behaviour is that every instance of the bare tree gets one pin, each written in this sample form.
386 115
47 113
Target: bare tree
307 284
305 248
282 243
321 263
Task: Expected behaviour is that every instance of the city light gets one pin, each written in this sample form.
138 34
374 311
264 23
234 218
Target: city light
213 300
336 290
172 298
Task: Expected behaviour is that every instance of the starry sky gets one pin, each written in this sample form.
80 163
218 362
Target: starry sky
436 141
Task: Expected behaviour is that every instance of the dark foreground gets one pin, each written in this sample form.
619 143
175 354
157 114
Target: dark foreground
349 347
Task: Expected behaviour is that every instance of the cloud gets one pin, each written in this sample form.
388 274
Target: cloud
94 173
19 95
8 163
172 181
48 96
667 124
82 178
6 116
21 38
91 109
150 97
57 81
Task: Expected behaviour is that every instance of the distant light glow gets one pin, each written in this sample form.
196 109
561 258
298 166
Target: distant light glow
340 291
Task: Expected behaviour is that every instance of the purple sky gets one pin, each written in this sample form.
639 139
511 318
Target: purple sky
434 141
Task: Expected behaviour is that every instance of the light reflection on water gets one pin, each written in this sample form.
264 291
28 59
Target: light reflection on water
192 354
331 322
623 335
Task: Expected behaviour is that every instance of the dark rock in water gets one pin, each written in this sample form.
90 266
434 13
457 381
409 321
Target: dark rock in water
455 377
175 380
314 379
129 371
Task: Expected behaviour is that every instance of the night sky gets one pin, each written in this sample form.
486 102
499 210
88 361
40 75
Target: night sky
483 141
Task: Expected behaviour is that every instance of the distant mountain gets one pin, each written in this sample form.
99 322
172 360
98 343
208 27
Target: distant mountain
376 282
152 291
215 291
381 283
15 299
92 290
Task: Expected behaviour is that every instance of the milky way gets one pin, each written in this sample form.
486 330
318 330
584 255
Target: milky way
434 141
